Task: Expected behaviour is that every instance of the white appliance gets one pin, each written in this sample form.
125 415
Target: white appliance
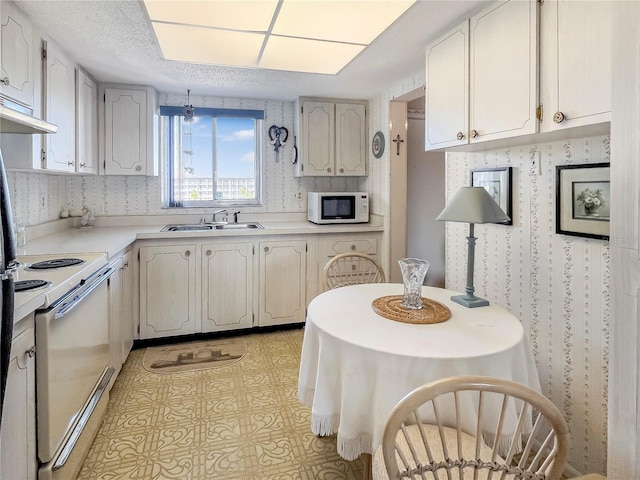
338 207
72 360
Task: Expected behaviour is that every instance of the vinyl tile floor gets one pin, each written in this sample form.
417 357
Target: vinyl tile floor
236 422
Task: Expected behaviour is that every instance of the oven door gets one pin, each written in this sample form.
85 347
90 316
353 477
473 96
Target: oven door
72 374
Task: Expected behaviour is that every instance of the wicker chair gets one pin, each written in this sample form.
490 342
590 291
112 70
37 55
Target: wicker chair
351 269
450 446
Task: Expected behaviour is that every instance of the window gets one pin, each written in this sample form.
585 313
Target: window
214 159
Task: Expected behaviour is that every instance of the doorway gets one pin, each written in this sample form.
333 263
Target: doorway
424 194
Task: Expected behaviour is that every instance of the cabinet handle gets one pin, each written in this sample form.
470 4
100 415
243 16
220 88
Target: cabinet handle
342 170
266 249
329 169
126 264
5 81
187 253
70 163
459 135
558 117
208 252
82 164
31 352
473 133
138 168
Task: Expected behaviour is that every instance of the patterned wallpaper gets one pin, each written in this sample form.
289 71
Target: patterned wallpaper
38 198
557 285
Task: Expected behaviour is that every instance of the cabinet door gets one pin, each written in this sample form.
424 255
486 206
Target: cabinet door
126 132
16 53
227 286
18 460
87 120
318 133
115 318
60 110
283 269
503 71
128 318
167 291
575 61
351 142
447 90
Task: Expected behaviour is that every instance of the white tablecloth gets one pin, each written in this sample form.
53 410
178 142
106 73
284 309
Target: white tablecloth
356 365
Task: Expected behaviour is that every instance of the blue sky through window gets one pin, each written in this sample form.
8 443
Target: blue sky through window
235 142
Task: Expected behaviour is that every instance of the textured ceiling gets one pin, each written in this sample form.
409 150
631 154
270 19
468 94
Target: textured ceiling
114 42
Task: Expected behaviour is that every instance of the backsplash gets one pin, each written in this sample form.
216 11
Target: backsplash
558 285
38 198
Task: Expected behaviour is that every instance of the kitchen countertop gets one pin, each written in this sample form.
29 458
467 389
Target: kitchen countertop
59 237
113 239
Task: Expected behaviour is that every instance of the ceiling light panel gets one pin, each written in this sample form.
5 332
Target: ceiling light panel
310 56
355 21
207 45
244 15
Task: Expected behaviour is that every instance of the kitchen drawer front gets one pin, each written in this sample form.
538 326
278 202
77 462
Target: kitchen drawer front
362 245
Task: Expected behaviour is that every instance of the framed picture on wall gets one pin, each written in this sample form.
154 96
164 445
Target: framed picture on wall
583 199
496 181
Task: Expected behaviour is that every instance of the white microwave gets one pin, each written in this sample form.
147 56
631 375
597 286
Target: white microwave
338 207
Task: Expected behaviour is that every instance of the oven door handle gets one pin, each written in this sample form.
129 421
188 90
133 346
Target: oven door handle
84 292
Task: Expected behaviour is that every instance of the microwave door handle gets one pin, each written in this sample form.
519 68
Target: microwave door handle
67 307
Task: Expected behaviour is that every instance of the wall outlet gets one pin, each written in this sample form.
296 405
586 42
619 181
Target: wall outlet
535 167
298 195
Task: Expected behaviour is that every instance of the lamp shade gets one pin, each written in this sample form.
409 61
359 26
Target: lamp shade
473 205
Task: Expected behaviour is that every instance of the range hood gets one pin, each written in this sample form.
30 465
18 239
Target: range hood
13 121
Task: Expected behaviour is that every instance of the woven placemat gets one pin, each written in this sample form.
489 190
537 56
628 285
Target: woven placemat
391 307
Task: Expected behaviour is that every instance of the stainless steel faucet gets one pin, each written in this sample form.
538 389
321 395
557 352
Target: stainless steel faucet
224 219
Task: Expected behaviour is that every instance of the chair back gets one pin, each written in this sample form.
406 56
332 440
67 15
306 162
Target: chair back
351 269
473 427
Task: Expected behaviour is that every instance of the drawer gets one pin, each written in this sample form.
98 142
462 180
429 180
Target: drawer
363 245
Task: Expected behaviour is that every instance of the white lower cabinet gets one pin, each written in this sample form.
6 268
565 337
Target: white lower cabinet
115 317
121 320
283 273
331 245
227 286
128 326
229 283
167 291
18 459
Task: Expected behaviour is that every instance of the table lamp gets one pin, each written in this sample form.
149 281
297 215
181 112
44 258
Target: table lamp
472 205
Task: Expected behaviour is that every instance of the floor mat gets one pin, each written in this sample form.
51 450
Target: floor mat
199 355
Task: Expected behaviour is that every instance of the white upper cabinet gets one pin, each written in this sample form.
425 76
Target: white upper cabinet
447 89
60 101
331 138
87 123
16 54
503 61
130 131
351 143
575 57
481 78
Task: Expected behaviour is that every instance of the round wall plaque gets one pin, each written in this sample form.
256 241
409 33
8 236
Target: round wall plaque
377 144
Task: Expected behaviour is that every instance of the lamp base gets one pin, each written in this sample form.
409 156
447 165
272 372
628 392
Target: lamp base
470 302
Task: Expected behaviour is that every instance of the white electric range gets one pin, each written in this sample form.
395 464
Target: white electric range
72 353
59 280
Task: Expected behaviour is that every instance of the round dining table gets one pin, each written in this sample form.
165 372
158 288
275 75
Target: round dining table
356 364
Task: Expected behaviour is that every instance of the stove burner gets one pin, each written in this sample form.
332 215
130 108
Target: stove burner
25 285
55 263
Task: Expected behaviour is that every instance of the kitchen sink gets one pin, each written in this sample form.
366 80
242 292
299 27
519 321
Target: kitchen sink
207 227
